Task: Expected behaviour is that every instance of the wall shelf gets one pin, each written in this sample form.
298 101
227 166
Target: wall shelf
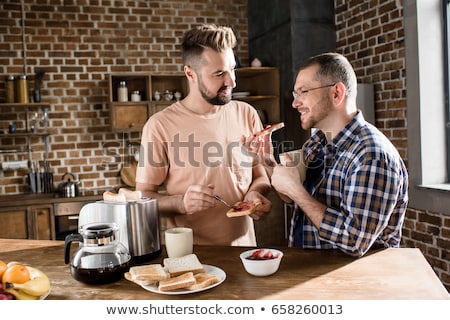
28 133
263 86
130 116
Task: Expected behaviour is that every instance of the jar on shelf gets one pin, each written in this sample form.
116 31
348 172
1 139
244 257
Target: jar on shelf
122 92
136 96
10 89
11 128
157 95
22 89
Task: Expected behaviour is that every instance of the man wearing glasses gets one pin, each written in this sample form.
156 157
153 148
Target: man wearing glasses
355 193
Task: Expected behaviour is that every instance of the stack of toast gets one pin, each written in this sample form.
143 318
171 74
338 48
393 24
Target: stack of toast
177 273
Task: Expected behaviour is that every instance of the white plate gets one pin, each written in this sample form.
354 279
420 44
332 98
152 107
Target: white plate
208 269
240 94
45 295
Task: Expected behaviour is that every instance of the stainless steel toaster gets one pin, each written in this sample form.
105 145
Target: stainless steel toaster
138 223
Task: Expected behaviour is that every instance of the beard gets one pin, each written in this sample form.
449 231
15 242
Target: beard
321 111
216 99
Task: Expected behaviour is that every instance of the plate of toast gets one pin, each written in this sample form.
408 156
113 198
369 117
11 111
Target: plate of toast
182 275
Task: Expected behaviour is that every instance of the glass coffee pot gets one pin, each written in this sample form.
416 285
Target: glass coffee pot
100 258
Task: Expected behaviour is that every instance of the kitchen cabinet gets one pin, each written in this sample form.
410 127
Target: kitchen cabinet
130 116
41 222
260 87
13 223
27 222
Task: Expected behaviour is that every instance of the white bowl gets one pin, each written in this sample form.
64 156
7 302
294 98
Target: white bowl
264 267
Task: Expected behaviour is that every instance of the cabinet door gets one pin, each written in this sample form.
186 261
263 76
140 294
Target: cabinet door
42 222
131 117
13 223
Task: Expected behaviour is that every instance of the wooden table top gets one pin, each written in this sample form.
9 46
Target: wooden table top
304 274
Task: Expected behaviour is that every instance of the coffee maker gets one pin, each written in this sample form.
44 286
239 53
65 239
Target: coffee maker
138 223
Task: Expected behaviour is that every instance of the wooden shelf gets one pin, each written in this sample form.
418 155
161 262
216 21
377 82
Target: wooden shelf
263 84
131 116
24 134
25 105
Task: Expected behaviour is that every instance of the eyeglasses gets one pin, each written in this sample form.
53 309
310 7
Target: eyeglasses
305 91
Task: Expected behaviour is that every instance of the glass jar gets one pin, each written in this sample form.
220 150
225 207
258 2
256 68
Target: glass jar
122 92
22 89
10 89
136 96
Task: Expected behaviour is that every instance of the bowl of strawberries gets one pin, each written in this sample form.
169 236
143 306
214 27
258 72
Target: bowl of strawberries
261 262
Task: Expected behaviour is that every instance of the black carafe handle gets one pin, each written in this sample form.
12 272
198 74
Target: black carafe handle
69 239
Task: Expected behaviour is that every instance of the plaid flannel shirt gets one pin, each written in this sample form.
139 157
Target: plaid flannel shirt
364 184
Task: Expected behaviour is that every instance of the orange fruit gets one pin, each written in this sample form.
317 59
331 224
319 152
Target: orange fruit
3 268
16 274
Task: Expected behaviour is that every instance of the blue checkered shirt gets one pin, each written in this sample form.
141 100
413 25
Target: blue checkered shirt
363 182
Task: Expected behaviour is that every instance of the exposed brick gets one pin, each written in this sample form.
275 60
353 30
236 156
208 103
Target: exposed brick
432 219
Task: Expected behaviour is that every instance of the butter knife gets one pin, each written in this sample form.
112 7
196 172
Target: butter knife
218 198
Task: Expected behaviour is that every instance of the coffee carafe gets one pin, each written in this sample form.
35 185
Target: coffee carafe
100 258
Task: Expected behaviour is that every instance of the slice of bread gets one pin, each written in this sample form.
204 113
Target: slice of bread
182 281
128 276
131 195
246 208
111 197
203 280
180 265
149 273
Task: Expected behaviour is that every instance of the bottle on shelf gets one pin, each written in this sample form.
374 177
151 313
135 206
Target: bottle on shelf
136 96
122 92
10 89
22 89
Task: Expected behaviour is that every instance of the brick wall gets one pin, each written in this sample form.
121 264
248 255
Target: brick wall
371 35
78 43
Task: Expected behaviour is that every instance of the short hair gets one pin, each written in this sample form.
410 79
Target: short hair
334 67
218 38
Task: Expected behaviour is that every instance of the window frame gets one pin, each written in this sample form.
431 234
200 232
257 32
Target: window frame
426 102
446 22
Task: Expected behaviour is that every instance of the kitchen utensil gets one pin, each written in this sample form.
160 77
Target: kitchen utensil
69 188
138 223
38 178
100 258
31 177
128 173
218 198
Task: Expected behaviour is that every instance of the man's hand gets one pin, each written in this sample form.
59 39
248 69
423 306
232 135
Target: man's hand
261 149
286 180
264 208
197 198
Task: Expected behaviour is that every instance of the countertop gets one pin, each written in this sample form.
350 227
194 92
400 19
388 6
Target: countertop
47 198
390 274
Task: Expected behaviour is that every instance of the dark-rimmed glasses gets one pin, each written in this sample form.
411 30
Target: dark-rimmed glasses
305 91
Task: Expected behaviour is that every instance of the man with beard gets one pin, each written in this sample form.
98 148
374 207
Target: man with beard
355 193
198 147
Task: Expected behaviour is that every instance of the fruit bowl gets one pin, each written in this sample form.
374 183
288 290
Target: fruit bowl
23 282
261 262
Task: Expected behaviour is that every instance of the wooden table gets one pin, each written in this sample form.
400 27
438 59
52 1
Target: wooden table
304 274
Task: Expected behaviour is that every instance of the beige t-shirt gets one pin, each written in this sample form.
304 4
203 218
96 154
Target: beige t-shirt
182 148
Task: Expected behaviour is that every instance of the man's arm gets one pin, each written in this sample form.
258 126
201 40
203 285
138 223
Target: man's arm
167 205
